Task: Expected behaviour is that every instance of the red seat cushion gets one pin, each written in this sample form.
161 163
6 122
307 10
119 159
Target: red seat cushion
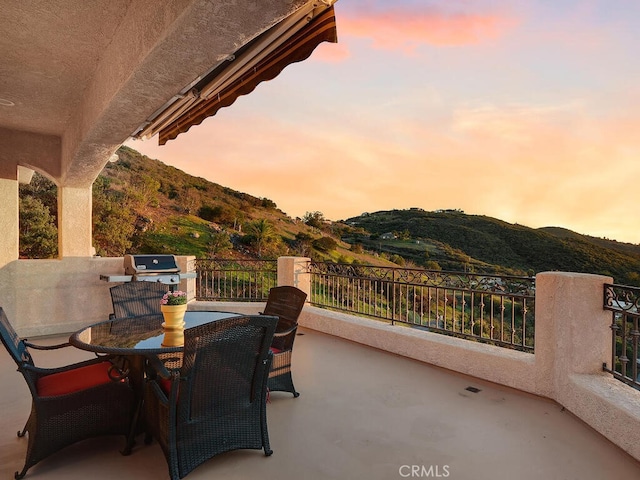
74 380
275 350
165 385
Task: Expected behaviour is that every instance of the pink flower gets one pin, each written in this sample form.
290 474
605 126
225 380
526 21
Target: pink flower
174 298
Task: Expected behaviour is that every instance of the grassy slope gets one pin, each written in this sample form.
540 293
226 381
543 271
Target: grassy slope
173 225
454 240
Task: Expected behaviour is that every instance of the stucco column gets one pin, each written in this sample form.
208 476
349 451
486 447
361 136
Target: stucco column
572 329
74 222
9 221
294 271
187 265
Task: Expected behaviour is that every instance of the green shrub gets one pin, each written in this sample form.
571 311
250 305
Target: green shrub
325 244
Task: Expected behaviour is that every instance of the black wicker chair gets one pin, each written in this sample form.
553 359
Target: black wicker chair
216 400
286 303
70 403
137 298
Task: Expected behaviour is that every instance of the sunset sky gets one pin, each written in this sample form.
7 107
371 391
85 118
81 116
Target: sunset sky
523 110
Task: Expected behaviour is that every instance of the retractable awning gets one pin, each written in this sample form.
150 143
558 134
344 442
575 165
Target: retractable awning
262 59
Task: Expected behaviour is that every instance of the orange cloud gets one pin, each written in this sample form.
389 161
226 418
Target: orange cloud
514 123
406 30
533 163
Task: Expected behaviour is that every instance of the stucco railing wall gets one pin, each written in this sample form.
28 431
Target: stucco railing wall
50 297
572 341
45 297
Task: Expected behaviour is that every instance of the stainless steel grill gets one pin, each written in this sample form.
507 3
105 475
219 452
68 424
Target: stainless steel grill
150 268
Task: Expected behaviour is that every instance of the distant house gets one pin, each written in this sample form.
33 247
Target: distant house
388 236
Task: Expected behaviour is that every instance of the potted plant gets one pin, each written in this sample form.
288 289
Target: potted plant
173 306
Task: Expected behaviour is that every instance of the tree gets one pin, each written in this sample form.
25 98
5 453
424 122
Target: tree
38 232
314 219
404 235
44 190
325 244
433 265
303 244
238 219
222 214
208 213
114 220
219 243
190 199
398 260
260 233
270 204
144 192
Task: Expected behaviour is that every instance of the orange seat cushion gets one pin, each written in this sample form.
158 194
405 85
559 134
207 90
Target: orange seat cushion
74 380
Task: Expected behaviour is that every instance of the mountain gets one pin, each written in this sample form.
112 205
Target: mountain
630 248
456 240
142 205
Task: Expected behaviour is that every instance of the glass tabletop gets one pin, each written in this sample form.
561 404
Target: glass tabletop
137 335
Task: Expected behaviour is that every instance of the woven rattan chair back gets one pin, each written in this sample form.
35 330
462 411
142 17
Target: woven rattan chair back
286 303
218 395
59 419
137 298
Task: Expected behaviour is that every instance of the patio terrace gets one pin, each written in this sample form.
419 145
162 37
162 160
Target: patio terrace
362 413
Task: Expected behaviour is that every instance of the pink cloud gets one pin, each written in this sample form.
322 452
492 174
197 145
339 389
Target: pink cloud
401 29
332 52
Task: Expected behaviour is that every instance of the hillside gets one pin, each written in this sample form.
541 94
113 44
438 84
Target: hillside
169 211
142 205
628 248
483 243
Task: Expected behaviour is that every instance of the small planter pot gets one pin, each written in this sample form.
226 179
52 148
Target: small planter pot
173 316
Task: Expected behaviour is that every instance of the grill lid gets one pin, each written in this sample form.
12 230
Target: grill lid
150 264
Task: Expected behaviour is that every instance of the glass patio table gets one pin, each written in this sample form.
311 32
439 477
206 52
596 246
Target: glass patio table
137 339
139 335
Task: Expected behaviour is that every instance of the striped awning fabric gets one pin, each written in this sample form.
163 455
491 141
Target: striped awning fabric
262 59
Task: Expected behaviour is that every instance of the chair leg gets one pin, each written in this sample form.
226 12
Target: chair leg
24 430
282 383
18 475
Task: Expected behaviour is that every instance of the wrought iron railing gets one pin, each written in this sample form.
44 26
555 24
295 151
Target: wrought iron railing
624 303
486 308
237 280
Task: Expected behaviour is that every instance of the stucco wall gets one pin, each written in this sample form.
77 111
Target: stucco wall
47 297
572 341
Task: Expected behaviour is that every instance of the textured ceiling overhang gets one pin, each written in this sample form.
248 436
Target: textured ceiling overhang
262 59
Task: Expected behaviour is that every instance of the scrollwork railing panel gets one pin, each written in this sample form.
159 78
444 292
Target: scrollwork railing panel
624 303
238 280
622 298
488 308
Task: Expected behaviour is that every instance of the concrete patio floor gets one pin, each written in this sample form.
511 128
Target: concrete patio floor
362 413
